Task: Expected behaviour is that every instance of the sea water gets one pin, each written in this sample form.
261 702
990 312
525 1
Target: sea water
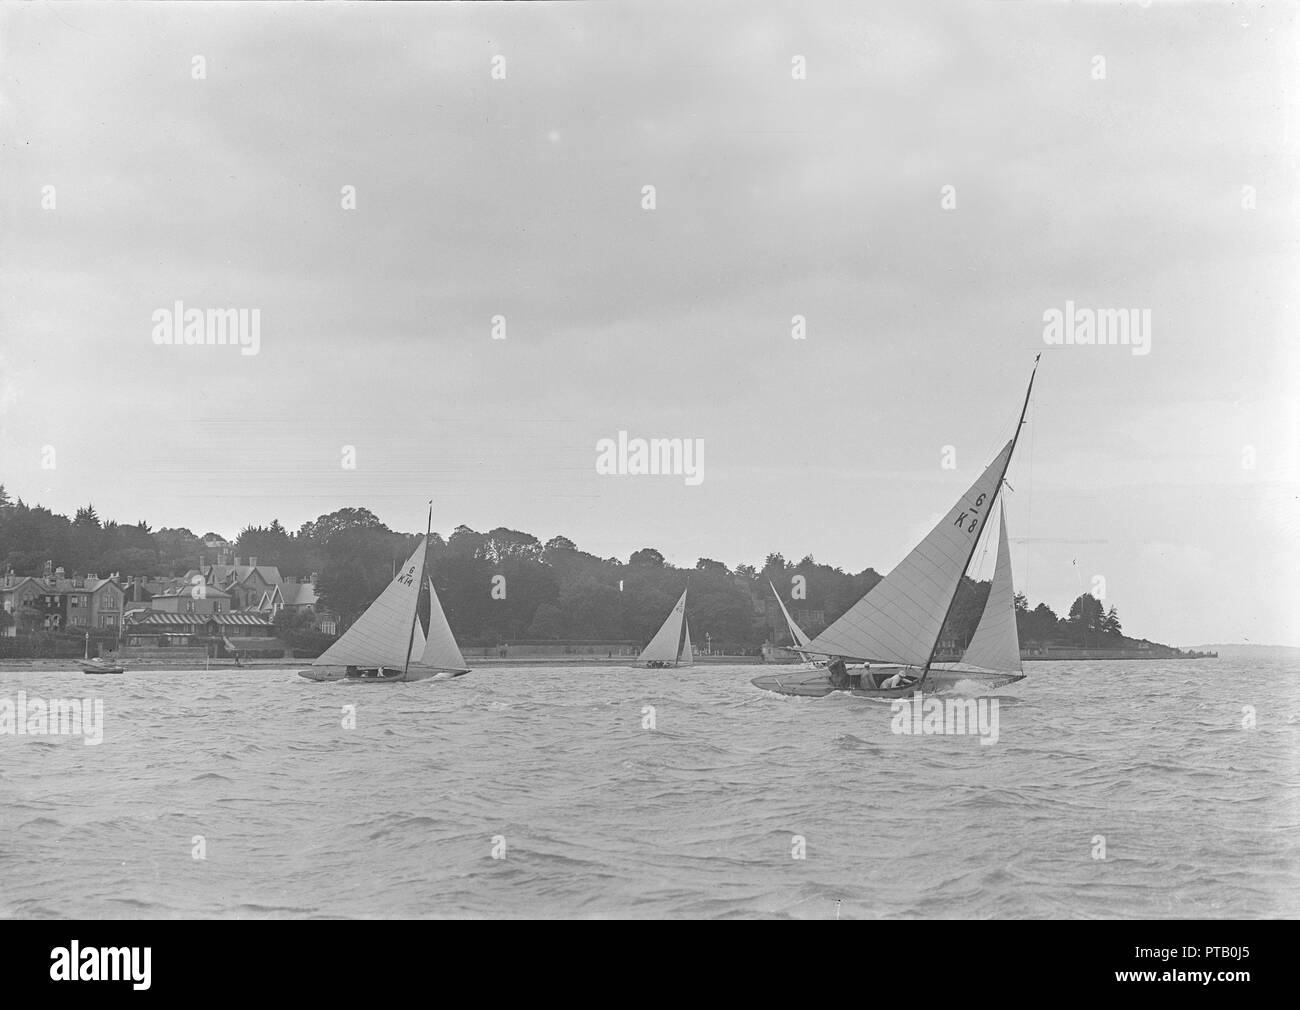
1114 789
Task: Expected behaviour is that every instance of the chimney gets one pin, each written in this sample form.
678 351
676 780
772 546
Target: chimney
59 573
291 580
238 561
313 578
49 570
253 561
9 577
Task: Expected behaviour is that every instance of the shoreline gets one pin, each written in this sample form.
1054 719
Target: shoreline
225 665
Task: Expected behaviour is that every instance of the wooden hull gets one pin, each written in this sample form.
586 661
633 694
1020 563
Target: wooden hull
338 675
88 667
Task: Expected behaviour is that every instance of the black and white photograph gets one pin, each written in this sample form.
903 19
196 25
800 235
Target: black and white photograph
650 461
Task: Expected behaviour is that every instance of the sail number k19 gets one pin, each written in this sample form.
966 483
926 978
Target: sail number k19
974 515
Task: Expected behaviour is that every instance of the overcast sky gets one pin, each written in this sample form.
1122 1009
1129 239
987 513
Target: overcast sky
775 197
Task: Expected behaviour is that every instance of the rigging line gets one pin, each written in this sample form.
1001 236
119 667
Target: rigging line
1029 495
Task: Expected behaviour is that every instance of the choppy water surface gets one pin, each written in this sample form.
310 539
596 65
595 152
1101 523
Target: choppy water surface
698 817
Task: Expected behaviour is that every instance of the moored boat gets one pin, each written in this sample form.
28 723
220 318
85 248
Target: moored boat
99 666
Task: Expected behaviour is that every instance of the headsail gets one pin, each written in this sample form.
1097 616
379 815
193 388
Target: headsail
900 619
995 646
688 654
382 635
796 633
440 649
417 642
663 648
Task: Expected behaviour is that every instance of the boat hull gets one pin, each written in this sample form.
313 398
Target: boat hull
87 667
817 684
339 675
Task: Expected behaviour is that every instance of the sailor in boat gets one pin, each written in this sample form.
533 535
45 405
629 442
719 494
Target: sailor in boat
839 673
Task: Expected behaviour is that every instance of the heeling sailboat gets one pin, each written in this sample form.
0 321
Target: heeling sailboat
896 626
671 645
386 643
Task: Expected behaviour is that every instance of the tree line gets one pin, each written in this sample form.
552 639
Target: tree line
506 586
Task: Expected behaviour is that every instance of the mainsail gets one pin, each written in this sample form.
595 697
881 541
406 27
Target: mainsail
440 649
664 647
900 619
383 634
796 633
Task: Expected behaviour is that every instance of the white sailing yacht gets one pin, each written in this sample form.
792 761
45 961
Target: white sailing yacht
386 643
895 628
671 645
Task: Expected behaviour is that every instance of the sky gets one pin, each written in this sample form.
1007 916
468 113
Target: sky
921 183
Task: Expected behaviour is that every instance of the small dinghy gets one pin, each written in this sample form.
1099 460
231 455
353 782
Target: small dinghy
99 666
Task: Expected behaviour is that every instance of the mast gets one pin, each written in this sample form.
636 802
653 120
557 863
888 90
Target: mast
415 611
992 501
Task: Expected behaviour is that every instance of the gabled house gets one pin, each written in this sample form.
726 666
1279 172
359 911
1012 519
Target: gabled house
81 601
245 582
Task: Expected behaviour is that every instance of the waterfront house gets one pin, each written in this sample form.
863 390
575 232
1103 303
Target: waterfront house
79 601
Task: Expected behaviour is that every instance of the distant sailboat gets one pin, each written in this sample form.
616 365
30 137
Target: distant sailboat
386 643
671 645
895 628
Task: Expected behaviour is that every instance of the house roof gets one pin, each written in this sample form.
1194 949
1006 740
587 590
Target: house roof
182 588
57 587
19 582
225 574
298 594
160 617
